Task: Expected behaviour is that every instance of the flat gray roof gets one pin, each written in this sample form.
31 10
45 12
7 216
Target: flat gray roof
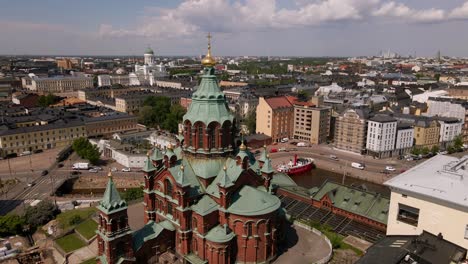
441 177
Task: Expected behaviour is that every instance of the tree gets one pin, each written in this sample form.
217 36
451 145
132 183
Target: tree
425 150
458 143
11 224
416 151
154 111
173 118
435 149
46 100
40 214
132 194
147 116
251 122
303 96
86 150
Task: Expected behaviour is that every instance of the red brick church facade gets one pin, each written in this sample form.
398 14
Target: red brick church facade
206 200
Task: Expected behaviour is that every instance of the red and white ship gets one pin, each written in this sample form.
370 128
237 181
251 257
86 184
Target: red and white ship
296 166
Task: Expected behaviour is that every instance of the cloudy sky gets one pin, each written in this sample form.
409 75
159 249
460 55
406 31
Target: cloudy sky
239 27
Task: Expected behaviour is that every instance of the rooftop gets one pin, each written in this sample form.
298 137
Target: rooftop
442 177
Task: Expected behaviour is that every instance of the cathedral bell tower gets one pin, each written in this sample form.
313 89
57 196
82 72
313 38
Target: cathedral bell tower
113 235
208 126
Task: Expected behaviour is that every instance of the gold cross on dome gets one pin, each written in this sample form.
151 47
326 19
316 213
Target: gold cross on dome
209 40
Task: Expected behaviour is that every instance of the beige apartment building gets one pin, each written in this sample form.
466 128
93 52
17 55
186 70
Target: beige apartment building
311 122
275 117
40 137
351 130
105 92
426 133
110 124
431 197
460 92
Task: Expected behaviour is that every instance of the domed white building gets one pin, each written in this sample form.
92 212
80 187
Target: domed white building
147 73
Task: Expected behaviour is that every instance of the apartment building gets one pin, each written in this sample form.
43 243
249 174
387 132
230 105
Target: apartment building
311 122
131 102
275 117
39 137
404 139
450 128
107 125
460 92
426 129
450 107
58 84
381 135
351 130
432 197
110 92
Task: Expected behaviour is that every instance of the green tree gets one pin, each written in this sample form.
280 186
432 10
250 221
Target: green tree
435 149
416 151
425 150
46 100
251 122
458 143
40 214
173 118
437 77
154 111
303 96
11 224
132 194
86 150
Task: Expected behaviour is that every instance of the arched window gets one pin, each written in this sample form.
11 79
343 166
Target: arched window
200 136
249 229
194 223
123 222
168 187
211 138
169 208
120 250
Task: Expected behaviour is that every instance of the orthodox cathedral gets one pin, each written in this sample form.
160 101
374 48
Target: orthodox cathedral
206 200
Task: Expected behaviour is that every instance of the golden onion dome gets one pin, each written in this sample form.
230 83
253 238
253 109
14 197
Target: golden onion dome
208 60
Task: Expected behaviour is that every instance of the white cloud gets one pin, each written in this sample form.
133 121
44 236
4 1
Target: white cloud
193 16
399 10
460 12
228 16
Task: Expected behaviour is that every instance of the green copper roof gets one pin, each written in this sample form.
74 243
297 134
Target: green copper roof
250 201
156 155
205 206
187 178
267 167
220 234
206 168
169 153
148 166
181 177
281 179
149 51
111 200
150 231
233 171
263 156
208 102
225 181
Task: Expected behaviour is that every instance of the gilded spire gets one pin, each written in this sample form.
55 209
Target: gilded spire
109 175
208 61
242 147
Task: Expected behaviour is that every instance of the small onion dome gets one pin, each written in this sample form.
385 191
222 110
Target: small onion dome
149 51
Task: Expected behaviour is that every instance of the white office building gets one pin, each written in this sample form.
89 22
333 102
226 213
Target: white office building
450 128
431 196
381 135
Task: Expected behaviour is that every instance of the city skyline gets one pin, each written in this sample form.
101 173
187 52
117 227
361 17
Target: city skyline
252 27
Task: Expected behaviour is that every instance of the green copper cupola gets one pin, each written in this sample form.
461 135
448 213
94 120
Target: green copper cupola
208 123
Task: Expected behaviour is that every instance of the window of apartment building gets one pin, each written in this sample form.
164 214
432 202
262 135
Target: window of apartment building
408 214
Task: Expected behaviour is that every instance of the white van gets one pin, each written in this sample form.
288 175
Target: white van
301 144
357 165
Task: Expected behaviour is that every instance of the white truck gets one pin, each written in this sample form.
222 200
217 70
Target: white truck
81 166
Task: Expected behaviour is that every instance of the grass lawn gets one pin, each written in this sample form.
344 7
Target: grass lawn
65 217
87 228
89 261
70 242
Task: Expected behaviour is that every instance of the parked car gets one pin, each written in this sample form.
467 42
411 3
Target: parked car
75 172
114 169
333 157
60 165
301 144
283 149
38 151
44 172
126 169
97 168
273 150
358 165
284 140
389 168
93 170
30 184
25 153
